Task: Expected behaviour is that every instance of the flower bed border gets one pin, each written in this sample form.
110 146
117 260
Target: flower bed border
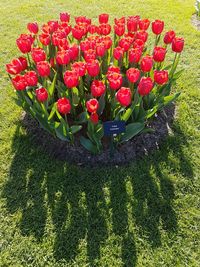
195 22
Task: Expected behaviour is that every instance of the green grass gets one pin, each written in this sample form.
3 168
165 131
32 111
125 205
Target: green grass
144 214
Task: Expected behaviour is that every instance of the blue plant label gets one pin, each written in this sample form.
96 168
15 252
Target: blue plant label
114 127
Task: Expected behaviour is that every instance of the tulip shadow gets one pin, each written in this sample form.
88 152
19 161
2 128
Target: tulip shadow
89 205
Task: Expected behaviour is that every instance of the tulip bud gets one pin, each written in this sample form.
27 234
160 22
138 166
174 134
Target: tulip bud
146 63
157 26
63 105
97 88
161 77
92 105
43 68
123 96
41 94
177 44
31 78
33 27
145 86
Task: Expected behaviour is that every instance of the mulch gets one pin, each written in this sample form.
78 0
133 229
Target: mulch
135 148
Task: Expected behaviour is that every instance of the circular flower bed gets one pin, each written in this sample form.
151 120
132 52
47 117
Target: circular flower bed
80 83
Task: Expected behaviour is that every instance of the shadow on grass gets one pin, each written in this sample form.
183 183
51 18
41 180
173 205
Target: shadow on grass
93 204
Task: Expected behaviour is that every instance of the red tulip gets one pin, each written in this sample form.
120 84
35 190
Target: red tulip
78 32
82 20
134 55
38 54
41 94
161 76
65 27
57 37
169 36
74 51
93 67
24 43
142 35
124 96
145 86
97 88
146 63
16 66
157 26
115 80
144 24
84 45
63 57
79 67
33 27
45 38
107 41
133 75
178 44
63 105
159 54
63 44
43 68
138 43
92 29
64 17
112 69
19 82
119 29
23 62
132 23
71 78
31 78
104 29
118 52
100 50
94 118
90 54
53 25
103 18
120 21
125 44
92 105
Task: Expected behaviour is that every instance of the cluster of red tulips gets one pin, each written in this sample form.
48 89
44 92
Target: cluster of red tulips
75 74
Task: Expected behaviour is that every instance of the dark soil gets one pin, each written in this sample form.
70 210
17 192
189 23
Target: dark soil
195 21
137 147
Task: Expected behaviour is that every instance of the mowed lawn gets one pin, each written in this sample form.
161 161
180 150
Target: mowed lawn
145 214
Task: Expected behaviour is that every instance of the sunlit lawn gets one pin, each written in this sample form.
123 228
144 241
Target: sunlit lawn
144 214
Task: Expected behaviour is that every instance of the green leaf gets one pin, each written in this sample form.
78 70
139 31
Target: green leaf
52 112
75 96
152 111
168 67
177 74
101 104
82 117
169 99
75 128
52 86
86 143
118 110
61 132
132 129
165 89
99 132
43 121
128 112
